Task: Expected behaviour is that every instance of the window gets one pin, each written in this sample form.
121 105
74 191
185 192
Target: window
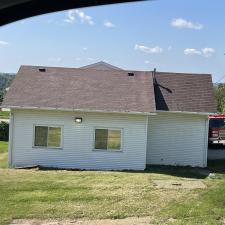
217 123
49 137
108 139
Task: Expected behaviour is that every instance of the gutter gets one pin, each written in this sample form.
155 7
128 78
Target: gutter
186 112
80 110
105 111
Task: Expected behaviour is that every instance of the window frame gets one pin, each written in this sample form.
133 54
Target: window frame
48 147
108 149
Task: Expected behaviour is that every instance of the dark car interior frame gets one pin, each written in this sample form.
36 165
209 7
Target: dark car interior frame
13 10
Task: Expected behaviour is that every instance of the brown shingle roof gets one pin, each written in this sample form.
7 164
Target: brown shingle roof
110 90
184 92
82 89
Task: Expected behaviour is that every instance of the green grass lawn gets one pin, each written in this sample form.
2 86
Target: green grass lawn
61 194
4 114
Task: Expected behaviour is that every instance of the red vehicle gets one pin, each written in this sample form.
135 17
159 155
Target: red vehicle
217 129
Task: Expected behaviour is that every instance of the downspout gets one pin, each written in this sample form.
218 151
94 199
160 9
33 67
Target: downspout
205 152
146 142
10 147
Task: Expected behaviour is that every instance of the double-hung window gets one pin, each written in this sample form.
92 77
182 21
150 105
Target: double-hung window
108 139
48 136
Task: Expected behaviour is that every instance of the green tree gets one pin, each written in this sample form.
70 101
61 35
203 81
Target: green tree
5 81
2 94
219 92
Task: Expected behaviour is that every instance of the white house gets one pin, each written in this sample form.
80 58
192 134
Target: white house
105 118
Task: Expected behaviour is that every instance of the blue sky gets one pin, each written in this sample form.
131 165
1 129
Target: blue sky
177 36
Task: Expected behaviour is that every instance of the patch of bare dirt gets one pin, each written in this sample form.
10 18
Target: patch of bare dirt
126 221
179 184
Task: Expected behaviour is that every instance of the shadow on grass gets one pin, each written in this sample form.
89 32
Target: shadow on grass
214 166
179 171
217 166
185 172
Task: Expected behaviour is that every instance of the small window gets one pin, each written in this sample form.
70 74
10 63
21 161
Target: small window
108 139
49 137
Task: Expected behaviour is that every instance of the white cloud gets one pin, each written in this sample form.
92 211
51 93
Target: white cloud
84 18
208 52
109 24
58 59
75 14
153 50
192 51
150 62
90 59
182 23
4 43
70 16
78 59
85 48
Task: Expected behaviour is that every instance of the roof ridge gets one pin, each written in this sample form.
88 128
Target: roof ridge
183 73
103 64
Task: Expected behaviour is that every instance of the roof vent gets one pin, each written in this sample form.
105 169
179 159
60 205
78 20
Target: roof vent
42 69
130 74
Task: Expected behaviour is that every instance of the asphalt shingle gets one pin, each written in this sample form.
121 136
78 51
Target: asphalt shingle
111 90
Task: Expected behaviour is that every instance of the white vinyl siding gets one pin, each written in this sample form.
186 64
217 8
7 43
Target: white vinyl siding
168 138
177 139
78 140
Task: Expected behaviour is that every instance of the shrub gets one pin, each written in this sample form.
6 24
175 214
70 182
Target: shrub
4 131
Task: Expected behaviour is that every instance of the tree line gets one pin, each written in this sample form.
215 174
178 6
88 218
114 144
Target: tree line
5 81
219 93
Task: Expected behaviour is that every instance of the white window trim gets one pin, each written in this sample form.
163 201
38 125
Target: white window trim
46 147
109 150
